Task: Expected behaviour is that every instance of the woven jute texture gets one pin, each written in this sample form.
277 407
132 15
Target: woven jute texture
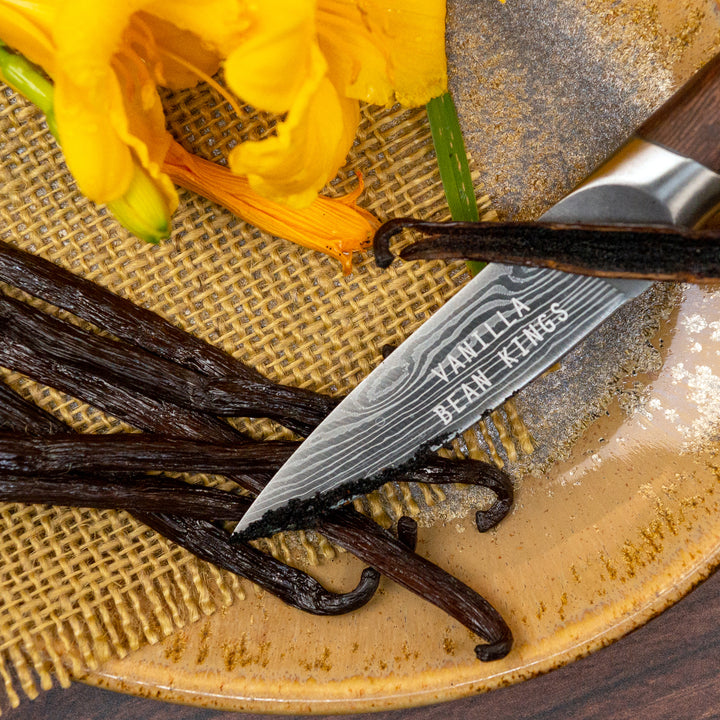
78 586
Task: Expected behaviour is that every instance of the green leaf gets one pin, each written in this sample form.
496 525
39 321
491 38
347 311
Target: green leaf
453 163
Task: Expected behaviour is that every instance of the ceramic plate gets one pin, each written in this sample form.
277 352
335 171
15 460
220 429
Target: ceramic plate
617 514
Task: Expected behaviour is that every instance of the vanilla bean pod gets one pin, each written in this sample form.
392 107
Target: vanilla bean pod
439 470
653 252
60 355
295 588
391 556
52 352
116 453
121 317
346 528
18 415
292 586
144 328
28 345
133 493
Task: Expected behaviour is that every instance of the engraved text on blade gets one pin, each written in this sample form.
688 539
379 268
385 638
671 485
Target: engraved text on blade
519 336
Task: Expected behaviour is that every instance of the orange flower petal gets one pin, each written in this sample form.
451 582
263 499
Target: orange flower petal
334 226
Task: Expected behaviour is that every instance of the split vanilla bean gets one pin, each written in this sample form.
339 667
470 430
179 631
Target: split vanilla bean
442 471
653 252
298 408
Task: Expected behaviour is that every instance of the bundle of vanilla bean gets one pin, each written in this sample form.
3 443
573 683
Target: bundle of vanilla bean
179 390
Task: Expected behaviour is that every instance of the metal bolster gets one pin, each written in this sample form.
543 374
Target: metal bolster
689 190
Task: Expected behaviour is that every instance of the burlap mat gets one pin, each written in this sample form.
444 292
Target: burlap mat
78 586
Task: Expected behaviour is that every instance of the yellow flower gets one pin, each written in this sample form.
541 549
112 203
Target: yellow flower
313 60
309 61
105 60
334 226
107 107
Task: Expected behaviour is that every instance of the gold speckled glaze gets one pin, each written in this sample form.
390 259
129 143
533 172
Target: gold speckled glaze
616 515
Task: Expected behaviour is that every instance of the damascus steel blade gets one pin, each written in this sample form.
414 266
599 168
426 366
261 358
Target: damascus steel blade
500 331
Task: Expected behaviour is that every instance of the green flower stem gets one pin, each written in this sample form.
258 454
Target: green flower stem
453 163
28 79
142 209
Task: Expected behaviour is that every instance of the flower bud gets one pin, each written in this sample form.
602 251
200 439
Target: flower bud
143 209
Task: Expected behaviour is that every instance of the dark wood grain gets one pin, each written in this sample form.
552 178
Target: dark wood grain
666 670
689 122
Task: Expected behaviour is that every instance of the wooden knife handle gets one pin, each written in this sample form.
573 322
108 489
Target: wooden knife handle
689 122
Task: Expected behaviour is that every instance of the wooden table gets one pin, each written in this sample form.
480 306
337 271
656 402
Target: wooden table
668 669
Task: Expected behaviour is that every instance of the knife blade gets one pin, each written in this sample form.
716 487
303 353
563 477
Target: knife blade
504 327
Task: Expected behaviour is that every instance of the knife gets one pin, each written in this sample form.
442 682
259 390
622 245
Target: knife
504 327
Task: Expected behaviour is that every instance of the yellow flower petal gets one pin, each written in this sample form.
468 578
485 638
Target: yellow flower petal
87 34
385 50
271 65
171 41
141 124
220 24
96 156
106 102
358 66
308 148
335 226
87 95
314 66
25 27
